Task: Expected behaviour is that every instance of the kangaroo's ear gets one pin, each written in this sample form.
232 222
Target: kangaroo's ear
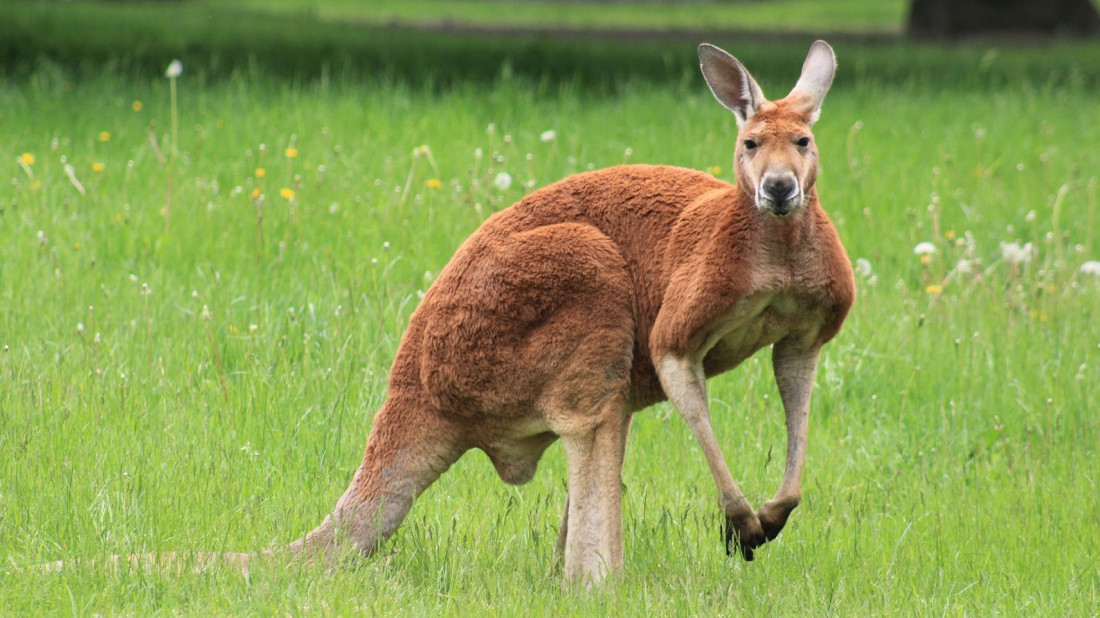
730 82
817 76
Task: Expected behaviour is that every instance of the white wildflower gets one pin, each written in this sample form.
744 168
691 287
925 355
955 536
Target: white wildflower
965 267
548 136
863 268
1015 254
1091 267
924 248
174 70
206 316
503 181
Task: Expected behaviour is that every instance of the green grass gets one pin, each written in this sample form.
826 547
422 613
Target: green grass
954 448
863 16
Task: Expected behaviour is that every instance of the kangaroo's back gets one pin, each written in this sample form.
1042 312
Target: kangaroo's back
637 207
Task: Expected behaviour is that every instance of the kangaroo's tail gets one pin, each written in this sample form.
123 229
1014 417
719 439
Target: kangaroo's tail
405 454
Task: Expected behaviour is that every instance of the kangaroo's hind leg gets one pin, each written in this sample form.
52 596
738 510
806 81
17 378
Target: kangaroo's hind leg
586 350
563 529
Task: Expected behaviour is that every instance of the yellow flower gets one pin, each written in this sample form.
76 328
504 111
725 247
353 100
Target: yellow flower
27 158
950 235
287 193
136 106
926 258
291 152
97 167
714 170
260 172
434 183
233 329
933 289
104 136
256 193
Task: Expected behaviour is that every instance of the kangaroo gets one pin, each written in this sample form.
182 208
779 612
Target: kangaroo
598 296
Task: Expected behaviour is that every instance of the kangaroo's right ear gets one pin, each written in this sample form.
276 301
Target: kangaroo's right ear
730 82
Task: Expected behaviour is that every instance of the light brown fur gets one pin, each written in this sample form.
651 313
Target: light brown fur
594 298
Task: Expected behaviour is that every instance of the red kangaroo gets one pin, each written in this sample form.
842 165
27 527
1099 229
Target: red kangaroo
603 294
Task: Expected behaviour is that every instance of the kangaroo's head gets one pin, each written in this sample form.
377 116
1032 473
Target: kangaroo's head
775 157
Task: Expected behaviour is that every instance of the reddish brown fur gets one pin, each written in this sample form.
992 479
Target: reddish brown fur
550 321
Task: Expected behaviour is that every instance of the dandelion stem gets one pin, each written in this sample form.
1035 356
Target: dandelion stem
175 116
168 200
409 180
259 233
1090 219
1055 216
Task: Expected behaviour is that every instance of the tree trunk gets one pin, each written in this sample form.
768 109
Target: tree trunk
956 18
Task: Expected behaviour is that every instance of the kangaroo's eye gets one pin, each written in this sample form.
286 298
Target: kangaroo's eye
749 144
803 142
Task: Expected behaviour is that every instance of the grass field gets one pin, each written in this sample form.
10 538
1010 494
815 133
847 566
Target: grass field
199 314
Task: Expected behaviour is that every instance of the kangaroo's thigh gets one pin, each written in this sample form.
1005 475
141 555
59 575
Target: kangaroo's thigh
520 317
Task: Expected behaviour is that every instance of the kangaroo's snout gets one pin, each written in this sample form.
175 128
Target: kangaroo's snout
779 194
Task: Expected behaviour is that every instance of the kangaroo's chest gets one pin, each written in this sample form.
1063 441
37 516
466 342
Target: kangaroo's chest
758 321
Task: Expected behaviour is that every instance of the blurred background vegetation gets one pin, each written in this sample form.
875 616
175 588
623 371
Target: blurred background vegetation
596 44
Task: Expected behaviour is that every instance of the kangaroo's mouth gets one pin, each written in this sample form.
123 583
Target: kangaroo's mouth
780 207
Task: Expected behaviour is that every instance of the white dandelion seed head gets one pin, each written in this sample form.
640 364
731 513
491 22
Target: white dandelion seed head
502 181
548 135
174 70
1091 267
924 248
863 267
206 316
1017 254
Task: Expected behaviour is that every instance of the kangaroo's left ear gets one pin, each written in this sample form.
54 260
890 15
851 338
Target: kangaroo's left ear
817 76
730 82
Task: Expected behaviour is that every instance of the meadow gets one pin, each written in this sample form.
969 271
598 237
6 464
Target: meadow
202 293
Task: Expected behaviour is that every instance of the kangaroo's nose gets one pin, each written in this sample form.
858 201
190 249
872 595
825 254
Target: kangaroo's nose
779 189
